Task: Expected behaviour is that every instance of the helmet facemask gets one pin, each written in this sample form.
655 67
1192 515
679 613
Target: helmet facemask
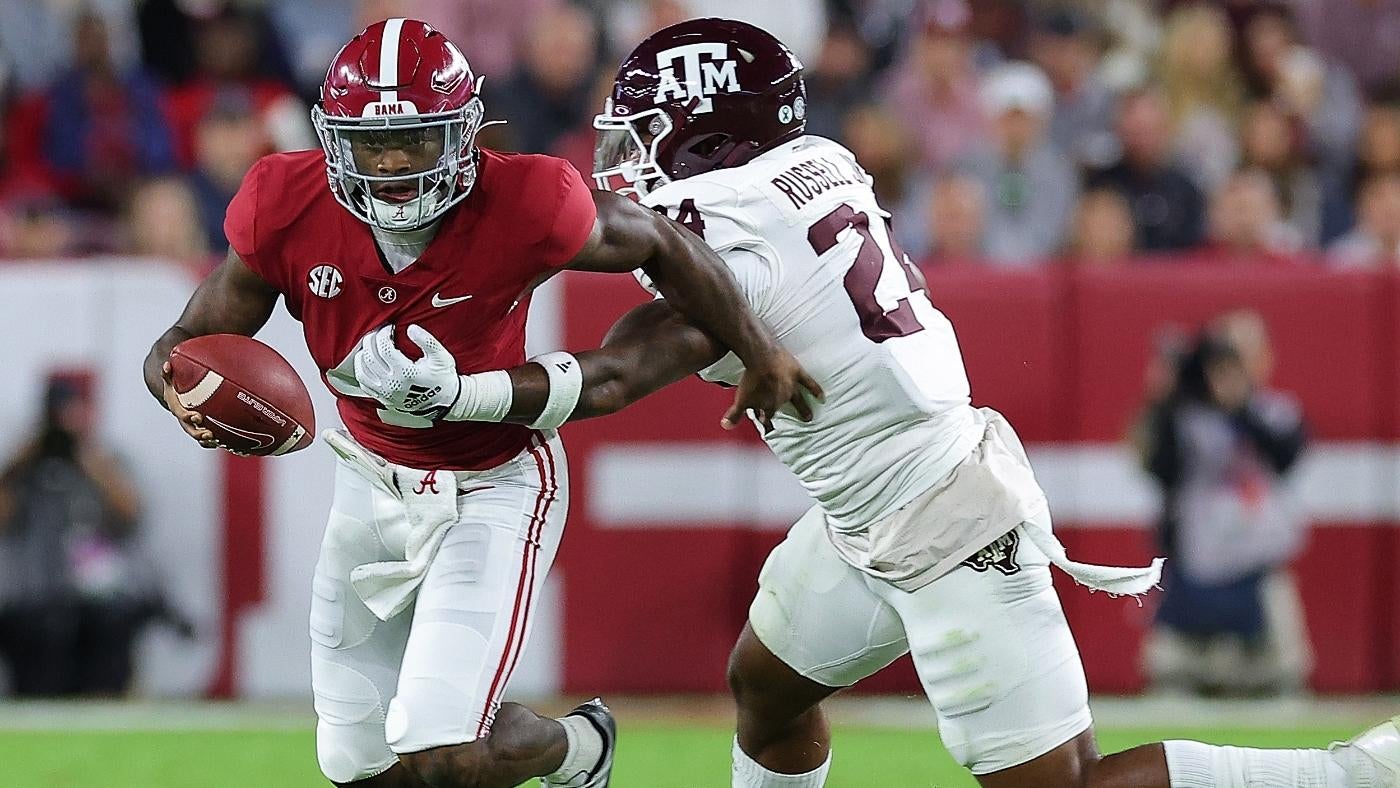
627 148
440 149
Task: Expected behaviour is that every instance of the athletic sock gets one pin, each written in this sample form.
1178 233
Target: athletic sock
584 753
1195 765
748 773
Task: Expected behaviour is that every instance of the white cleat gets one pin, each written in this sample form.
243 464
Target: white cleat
1381 745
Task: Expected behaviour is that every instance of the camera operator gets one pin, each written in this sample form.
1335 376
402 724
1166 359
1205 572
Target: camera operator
75 585
1221 445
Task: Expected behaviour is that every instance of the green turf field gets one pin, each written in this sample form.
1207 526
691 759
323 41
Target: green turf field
650 756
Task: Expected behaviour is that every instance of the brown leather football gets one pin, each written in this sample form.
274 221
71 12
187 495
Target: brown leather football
250 397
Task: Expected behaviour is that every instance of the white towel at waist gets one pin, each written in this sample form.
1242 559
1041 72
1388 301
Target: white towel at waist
429 504
1112 579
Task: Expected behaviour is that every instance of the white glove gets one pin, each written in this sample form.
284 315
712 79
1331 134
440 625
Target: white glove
426 387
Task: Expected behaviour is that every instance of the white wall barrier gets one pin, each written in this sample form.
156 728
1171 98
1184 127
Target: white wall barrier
102 315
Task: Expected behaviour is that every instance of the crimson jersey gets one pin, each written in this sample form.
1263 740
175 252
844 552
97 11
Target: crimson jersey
526 216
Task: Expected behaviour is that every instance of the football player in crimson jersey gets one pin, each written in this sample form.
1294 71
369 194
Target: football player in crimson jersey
930 535
442 529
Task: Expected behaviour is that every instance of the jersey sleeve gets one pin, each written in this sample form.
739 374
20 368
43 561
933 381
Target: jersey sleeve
754 273
570 221
241 222
715 212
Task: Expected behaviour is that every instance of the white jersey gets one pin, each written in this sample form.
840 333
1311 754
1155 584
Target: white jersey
811 249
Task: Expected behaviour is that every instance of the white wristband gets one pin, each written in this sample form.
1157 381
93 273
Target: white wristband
485 396
565 388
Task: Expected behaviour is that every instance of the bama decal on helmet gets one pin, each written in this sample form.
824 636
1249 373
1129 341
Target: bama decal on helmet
704 70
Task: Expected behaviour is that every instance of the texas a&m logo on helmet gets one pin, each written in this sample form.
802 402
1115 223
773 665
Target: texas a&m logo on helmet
696 71
697 96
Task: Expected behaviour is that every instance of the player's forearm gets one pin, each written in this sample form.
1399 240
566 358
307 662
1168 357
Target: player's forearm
160 353
646 350
231 300
605 390
700 287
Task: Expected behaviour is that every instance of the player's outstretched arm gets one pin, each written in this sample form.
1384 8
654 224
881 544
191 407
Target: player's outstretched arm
231 300
649 348
627 236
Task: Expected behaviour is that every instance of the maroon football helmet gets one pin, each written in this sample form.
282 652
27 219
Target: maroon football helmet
399 85
697 96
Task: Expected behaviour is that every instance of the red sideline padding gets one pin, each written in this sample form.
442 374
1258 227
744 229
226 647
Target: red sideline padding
244 553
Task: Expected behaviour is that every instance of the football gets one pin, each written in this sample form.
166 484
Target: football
250 397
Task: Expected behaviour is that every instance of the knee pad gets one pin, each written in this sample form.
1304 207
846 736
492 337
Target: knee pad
430 713
347 753
350 729
443 687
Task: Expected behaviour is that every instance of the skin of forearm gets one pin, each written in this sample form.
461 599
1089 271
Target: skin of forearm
604 390
646 350
160 353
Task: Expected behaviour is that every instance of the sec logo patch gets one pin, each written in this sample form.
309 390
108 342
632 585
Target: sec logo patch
324 280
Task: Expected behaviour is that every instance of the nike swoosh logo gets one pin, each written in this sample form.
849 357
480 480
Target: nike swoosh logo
439 301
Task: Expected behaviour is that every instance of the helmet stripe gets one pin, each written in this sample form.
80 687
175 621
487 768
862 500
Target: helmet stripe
389 59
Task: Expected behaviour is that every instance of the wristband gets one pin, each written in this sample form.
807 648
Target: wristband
485 396
565 388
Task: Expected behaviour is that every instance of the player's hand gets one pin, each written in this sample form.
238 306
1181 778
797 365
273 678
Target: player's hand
763 390
190 420
426 387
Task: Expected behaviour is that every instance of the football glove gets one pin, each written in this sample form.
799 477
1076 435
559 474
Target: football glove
426 387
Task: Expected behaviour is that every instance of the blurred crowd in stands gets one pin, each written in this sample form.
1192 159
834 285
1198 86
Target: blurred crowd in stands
1000 132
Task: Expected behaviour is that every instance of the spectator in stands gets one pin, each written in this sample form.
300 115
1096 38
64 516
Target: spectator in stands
1247 223
37 42
882 146
1319 94
1204 92
163 221
175 38
1103 230
1360 34
1222 445
1168 209
228 141
837 82
956 221
934 90
75 587
575 146
1378 149
490 32
800 24
625 22
312 31
228 54
38 227
1064 42
549 94
1268 144
1030 185
1375 240
104 126
34 223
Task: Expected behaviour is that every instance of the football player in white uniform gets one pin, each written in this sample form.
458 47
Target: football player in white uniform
930 534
